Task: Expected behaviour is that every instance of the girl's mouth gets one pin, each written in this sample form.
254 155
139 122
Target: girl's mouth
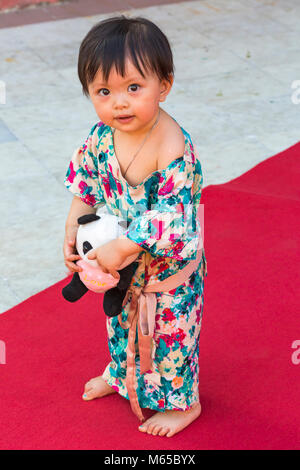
125 119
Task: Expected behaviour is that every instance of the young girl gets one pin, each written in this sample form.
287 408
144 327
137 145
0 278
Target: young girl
140 163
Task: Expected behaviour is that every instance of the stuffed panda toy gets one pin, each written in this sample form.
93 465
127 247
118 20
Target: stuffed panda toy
96 230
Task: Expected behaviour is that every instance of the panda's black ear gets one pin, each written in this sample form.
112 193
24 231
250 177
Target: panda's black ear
123 223
85 219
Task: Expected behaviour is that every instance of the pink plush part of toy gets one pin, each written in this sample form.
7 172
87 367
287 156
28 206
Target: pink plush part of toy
95 279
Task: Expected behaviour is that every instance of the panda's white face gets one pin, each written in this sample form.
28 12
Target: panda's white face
98 232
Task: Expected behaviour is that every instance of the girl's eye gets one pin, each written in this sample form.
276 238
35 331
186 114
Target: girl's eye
134 85
103 89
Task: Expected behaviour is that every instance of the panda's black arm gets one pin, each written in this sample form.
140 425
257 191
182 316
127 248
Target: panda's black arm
75 289
113 298
126 275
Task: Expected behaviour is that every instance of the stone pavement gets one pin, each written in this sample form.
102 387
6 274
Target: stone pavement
235 64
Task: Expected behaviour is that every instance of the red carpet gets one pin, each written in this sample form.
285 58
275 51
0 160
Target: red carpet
249 386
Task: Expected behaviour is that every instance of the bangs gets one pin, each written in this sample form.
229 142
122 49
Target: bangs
112 41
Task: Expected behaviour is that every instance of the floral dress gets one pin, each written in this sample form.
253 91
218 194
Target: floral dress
161 203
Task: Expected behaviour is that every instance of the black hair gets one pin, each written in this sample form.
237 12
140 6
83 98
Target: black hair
111 41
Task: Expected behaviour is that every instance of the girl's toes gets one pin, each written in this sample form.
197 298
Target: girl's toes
170 433
87 387
164 431
156 429
143 427
150 428
88 395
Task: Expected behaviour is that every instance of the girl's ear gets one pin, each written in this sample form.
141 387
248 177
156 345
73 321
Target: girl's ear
165 87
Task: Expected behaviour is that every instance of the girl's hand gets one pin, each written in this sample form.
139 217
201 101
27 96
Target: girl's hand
109 257
69 250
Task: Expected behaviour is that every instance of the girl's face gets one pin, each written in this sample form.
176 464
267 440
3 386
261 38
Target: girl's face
131 95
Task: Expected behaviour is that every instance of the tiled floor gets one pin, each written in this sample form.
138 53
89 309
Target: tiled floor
71 9
235 65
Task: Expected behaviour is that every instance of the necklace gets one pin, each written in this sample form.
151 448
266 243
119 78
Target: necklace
142 142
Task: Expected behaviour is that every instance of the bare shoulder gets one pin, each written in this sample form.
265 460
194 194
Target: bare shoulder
172 142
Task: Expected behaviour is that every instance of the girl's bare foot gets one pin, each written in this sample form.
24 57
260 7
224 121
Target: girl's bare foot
169 422
96 388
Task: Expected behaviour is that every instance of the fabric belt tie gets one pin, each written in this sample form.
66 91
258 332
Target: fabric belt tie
141 314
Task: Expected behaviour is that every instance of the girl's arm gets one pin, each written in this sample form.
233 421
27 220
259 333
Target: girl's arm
77 209
127 246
